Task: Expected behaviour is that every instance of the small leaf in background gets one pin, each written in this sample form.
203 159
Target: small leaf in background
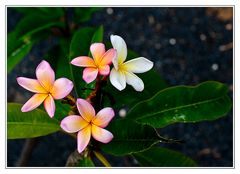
86 162
16 50
80 46
62 110
186 104
83 14
28 124
129 137
163 157
58 58
32 24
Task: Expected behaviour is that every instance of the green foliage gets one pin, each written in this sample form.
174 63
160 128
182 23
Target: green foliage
58 59
163 157
130 137
80 46
62 110
28 124
83 14
85 162
187 104
16 51
35 23
33 27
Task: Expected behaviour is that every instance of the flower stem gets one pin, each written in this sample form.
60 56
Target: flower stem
102 159
69 100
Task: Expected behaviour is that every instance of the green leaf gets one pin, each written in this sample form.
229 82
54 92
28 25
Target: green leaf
28 124
129 137
85 162
83 14
58 59
80 46
62 110
16 50
163 157
186 104
35 23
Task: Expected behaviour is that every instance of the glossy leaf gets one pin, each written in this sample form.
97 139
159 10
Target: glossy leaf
35 23
80 46
163 157
130 137
16 50
83 14
28 124
58 58
186 104
62 110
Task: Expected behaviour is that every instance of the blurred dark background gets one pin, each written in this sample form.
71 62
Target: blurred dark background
187 45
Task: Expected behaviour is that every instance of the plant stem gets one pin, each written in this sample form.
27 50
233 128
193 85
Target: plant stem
69 100
26 152
102 159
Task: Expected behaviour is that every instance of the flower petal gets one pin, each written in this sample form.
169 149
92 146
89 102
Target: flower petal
61 88
73 123
101 134
134 81
33 102
118 79
97 50
119 44
138 65
49 105
103 117
108 57
31 85
90 74
104 70
45 75
83 138
85 109
83 61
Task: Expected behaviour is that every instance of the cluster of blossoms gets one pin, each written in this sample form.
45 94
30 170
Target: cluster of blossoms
87 123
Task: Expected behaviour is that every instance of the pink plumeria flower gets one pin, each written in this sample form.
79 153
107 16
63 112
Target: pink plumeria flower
124 72
88 124
45 87
99 64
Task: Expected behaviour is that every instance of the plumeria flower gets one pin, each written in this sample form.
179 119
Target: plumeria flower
88 124
45 87
99 63
123 72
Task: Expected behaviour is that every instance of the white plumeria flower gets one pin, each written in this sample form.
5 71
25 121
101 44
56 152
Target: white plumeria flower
123 72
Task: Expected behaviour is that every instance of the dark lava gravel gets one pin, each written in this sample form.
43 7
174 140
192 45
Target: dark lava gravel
187 45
